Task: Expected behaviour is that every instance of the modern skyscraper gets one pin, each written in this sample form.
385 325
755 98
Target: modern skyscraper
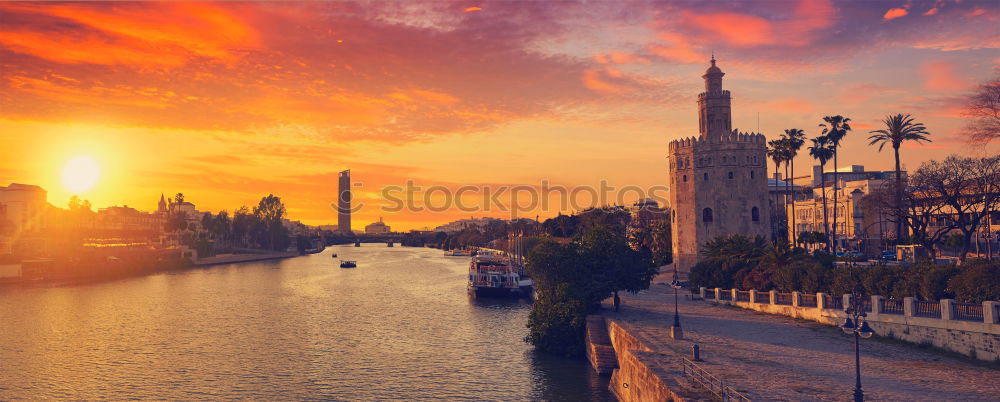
344 202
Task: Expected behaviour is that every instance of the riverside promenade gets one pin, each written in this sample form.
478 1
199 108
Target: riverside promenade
771 357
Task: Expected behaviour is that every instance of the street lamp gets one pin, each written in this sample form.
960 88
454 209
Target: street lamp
675 330
859 327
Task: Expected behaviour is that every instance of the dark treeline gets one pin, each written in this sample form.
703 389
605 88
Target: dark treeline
258 228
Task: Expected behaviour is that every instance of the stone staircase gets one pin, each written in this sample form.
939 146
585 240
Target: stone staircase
599 350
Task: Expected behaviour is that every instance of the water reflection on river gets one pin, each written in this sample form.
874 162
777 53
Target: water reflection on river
398 326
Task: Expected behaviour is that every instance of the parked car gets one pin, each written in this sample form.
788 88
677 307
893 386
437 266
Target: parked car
889 255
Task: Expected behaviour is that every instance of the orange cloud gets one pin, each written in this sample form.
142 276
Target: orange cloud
677 48
595 80
806 19
932 11
472 9
940 75
739 30
894 13
156 34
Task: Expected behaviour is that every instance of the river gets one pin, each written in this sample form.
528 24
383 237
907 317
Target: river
399 326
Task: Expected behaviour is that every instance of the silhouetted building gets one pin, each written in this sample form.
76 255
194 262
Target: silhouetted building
344 202
377 227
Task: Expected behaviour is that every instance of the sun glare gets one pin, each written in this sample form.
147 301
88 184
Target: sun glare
80 174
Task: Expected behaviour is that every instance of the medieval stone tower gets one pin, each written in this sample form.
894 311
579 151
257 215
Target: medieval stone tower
718 180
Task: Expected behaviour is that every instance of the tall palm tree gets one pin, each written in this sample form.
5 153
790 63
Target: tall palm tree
775 151
821 151
835 129
898 128
794 139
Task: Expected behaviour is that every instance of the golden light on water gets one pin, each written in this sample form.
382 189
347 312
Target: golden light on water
81 174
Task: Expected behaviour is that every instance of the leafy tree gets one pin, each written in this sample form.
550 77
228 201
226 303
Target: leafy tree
978 281
179 198
967 188
573 278
206 221
822 151
835 129
898 128
268 213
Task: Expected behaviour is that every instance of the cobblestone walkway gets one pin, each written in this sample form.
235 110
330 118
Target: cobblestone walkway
771 357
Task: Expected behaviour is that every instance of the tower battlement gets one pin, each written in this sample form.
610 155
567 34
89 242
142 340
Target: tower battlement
735 136
714 94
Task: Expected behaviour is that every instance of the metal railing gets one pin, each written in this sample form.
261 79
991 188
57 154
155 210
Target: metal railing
891 306
710 382
926 309
742 295
967 312
783 299
725 295
762 298
833 303
807 300
710 294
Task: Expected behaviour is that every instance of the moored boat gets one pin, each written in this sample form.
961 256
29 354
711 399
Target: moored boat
348 264
492 274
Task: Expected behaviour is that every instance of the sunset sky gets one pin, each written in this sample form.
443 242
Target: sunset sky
227 102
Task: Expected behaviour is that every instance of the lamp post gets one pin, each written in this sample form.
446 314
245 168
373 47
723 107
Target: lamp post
675 329
859 327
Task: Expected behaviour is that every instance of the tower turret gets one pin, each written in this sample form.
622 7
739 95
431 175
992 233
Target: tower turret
714 105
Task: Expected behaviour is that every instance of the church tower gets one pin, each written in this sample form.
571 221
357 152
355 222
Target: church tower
717 180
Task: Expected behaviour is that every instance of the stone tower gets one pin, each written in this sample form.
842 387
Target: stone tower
718 180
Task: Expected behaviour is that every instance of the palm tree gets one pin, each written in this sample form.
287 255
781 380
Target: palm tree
821 151
794 139
775 151
898 128
835 129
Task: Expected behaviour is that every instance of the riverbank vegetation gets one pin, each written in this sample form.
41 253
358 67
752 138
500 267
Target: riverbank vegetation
744 262
571 280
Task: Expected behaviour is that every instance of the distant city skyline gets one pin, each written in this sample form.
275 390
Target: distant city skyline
120 102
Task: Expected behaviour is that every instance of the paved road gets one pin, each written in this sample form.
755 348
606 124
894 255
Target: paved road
773 357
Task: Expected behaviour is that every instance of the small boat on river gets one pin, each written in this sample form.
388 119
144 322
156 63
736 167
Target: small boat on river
348 264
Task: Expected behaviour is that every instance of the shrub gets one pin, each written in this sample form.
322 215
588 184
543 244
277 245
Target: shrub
976 282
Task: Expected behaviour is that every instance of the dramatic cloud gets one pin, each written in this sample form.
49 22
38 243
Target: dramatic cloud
228 101
894 13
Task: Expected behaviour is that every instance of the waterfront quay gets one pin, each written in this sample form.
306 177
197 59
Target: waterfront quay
772 357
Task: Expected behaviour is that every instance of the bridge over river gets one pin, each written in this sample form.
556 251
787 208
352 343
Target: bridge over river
770 357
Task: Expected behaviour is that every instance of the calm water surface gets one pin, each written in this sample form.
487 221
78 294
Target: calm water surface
400 326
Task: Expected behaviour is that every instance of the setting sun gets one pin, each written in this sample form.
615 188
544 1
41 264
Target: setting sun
80 174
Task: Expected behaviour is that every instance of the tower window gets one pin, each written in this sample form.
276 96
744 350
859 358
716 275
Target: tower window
685 178
730 175
706 176
751 174
755 214
706 215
